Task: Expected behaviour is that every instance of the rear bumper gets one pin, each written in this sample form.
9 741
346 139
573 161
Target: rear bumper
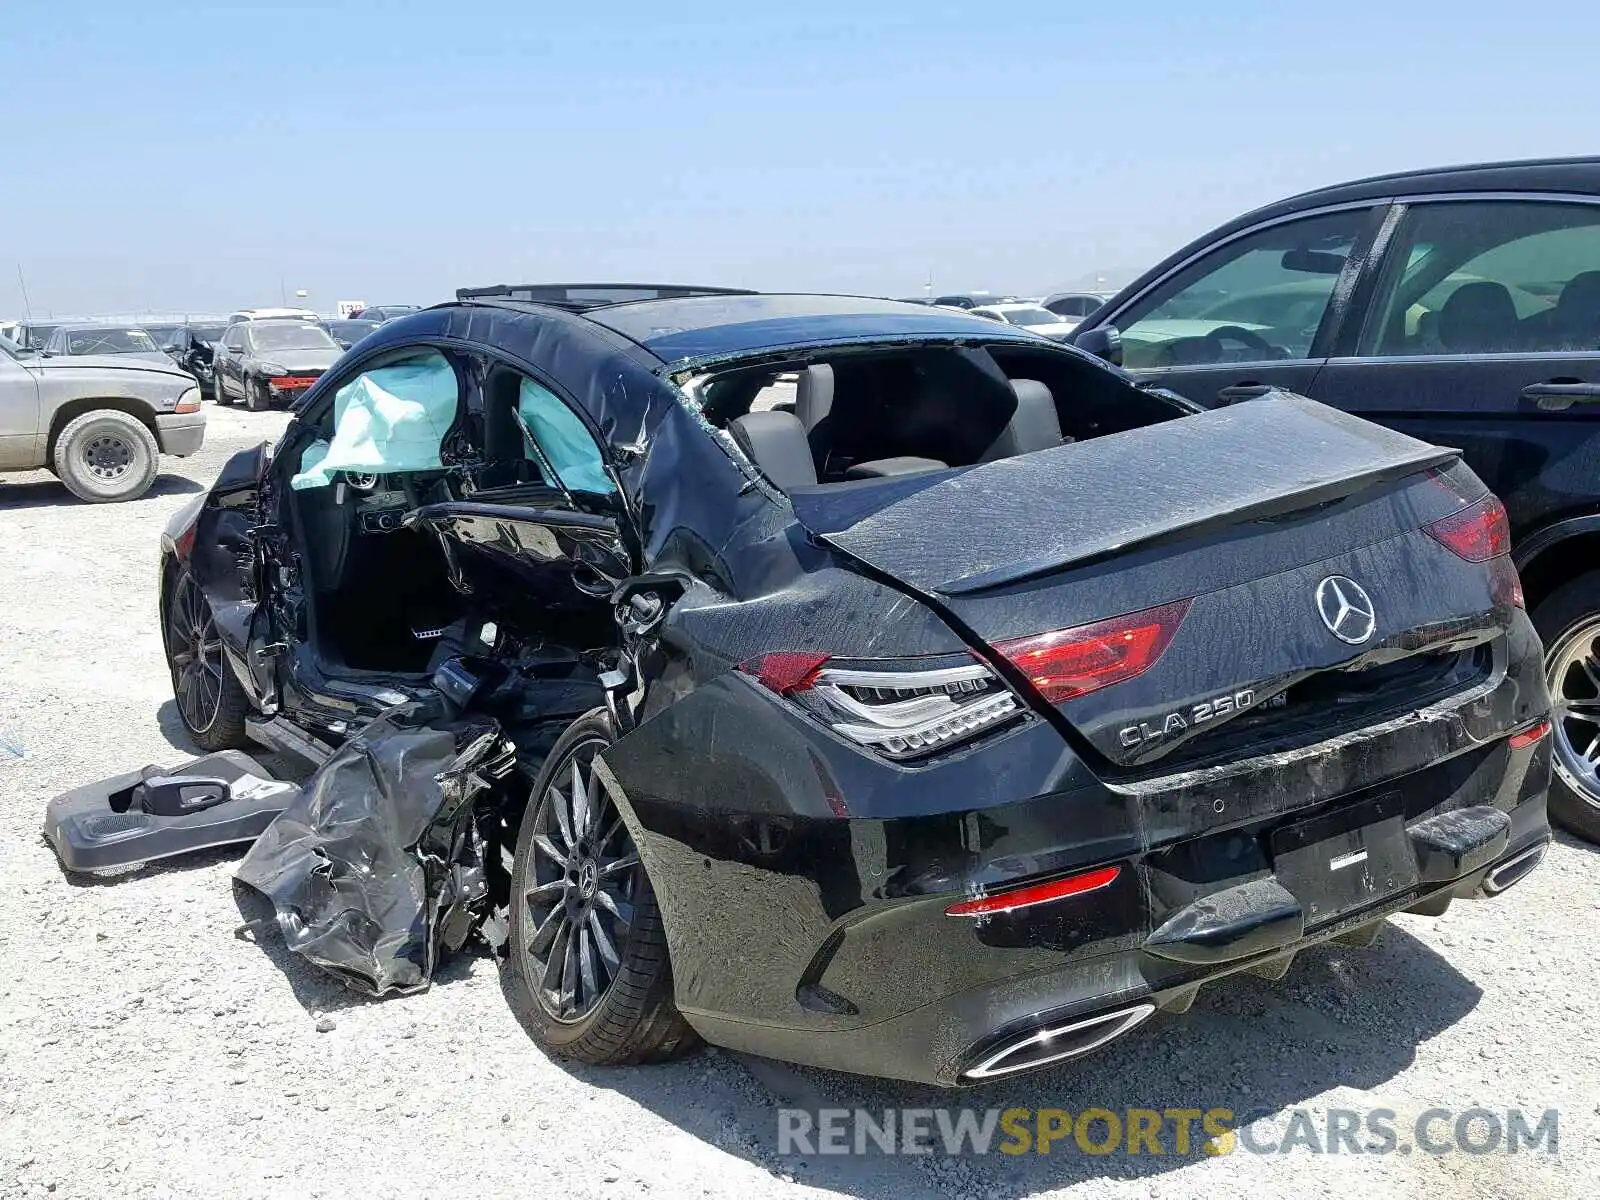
803 886
180 434
995 1029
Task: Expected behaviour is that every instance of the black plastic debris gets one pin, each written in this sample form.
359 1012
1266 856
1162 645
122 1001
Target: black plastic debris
140 816
377 866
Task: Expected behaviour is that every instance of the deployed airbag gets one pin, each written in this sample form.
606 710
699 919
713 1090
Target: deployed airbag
375 866
564 439
391 418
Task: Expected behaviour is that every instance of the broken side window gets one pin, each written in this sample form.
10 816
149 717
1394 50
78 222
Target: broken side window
387 419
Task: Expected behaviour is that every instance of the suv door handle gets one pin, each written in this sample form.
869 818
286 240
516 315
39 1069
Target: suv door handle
1554 397
1243 391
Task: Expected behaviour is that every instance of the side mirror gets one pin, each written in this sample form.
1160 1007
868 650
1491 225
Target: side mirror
234 349
172 348
1103 341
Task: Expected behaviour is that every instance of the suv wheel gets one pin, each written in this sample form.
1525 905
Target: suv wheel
1568 622
255 396
106 455
589 976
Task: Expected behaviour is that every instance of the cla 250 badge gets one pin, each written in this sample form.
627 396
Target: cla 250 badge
1176 722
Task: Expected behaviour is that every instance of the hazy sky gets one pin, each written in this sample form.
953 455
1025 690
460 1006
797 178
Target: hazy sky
188 156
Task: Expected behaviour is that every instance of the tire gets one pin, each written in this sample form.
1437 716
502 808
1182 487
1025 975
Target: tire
219 394
255 396
212 703
1568 620
106 456
582 1014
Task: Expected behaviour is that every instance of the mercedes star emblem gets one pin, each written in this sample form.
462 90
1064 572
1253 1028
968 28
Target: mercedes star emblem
1346 609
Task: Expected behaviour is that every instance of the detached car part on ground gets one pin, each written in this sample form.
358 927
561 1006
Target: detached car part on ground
1459 305
942 717
98 423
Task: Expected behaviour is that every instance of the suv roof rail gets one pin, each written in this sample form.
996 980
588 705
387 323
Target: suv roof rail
581 296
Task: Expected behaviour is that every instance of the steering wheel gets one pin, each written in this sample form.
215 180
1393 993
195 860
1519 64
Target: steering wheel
1245 337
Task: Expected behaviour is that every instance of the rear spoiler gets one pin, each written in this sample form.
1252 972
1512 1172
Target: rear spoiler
1020 518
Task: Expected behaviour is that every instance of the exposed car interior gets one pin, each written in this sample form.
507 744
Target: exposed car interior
398 558
860 415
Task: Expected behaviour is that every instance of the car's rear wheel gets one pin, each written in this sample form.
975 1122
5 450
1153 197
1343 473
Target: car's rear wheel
590 976
105 456
1568 622
212 703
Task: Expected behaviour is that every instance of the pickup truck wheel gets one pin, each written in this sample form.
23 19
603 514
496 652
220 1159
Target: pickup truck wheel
588 971
1569 622
106 455
212 703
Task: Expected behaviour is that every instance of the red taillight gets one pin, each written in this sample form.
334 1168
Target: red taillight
1505 585
1476 534
1534 733
785 671
1074 662
1038 893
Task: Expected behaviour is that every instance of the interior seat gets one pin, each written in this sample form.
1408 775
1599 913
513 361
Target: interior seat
1478 317
1034 425
1577 313
776 442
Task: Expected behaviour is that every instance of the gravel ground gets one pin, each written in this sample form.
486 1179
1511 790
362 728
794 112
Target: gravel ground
147 1051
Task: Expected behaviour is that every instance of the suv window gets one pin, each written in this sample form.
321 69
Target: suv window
1486 277
1260 297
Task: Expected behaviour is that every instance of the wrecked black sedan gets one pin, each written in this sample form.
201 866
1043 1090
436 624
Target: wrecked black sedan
892 690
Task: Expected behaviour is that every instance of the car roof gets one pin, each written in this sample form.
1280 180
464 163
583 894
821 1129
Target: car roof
1534 174
580 297
747 322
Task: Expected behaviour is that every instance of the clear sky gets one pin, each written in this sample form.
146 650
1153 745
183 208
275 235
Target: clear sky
186 156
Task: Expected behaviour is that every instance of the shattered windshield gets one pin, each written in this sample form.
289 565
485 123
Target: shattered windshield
291 337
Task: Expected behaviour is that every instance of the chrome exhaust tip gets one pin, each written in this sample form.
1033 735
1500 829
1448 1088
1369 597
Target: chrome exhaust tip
1057 1043
1512 870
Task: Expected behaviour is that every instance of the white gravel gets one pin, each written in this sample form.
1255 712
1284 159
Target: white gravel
145 1051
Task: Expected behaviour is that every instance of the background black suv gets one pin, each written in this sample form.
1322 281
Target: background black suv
1459 305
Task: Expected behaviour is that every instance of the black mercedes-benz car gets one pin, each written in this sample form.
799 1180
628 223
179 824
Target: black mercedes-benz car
271 363
895 690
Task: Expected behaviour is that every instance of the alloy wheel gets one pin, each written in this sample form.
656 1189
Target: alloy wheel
584 880
1573 665
108 456
195 651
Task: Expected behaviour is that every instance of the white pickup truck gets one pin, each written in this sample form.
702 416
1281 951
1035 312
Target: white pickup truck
98 422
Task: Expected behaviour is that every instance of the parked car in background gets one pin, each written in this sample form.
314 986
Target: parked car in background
273 314
385 312
99 423
97 339
193 346
1460 305
347 331
1032 317
1075 305
926 730
269 363
965 300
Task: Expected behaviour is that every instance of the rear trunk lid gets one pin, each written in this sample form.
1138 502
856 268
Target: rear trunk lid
1229 521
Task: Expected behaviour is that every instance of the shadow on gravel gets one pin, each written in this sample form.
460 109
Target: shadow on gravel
1342 1017
1573 842
50 493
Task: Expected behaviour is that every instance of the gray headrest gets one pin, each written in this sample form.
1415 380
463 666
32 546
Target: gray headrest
813 395
777 444
1034 426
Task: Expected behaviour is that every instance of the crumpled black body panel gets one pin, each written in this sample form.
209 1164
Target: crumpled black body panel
365 862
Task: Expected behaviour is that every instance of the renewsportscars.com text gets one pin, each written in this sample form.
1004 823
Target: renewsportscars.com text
1173 1131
